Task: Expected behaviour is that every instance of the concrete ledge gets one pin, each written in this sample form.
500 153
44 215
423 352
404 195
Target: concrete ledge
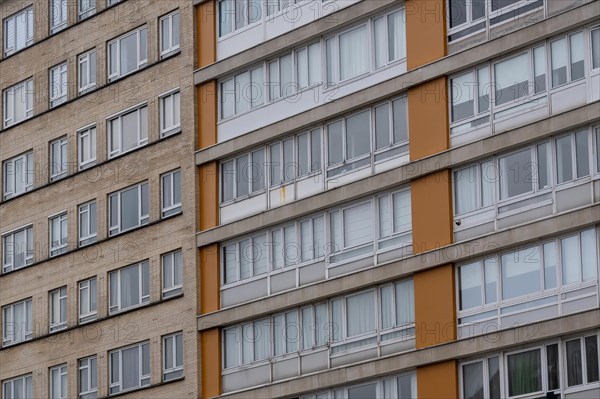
466 347
403 174
458 61
480 246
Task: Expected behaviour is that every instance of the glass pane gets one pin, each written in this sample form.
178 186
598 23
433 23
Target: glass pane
405 302
330 61
470 285
353 47
303 158
462 96
516 172
358 225
591 358
458 12
380 42
494 377
596 48
334 143
553 366
521 272
382 126
385 220
257 170
574 365
357 135
402 211
564 159
543 166
363 392
231 347
276 164
550 265
360 314
582 154
524 373
227 182
400 114
465 190
589 256
302 67
539 66
491 279
130 212
308 325
242 176
396 41
286 74
512 79
314 63
577 56
473 380
387 307
315 150
559 62
483 89
571 261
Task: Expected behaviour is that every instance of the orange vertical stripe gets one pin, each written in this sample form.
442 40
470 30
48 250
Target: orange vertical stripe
438 381
211 363
425 32
209 279
206 96
206 32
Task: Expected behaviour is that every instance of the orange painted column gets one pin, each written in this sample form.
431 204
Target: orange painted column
425 31
438 381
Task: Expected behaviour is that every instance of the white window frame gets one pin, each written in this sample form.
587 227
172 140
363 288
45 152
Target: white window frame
176 371
59 168
143 218
175 259
243 91
174 112
88 366
28 250
84 69
249 255
233 14
143 379
26 17
26 333
86 134
172 47
60 7
141 133
18 91
58 245
55 300
141 54
26 174
83 11
85 211
86 288
248 174
58 89
143 299
26 386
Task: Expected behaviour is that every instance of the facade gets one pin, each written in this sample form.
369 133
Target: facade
300 199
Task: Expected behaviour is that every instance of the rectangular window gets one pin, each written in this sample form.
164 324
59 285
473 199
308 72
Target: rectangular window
394 217
18 175
242 92
312 239
128 209
58 15
88 378
172 273
86 8
171 193
348 144
17 388
567 59
245 258
17 325
353 46
170 113
58 159
87 223
172 357
18 31
18 249
58 309
572 157
595 33
18 102
129 287
86 147
516 171
397 304
169 33
512 79
251 346
58 382
524 372
236 14
88 300
58 85
309 152
58 234
129 368
86 71
127 53
285 334
243 176
128 131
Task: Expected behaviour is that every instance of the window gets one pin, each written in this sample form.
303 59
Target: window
128 209
17 326
294 71
17 388
129 287
58 309
582 360
171 193
285 333
236 14
128 53
246 343
465 11
87 223
128 131
243 176
595 33
395 218
245 259
516 171
86 147
170 113
242 92
87 71
88 305
58 159
129 368
274 6
346 140
397 304
354 315
58 85
572 156
58 234
58 382
173 357
172 273
58 15
88 378
511 79
390 41
169 33
18 249
567 59
18 175
18 31
18 102
86 8
474 187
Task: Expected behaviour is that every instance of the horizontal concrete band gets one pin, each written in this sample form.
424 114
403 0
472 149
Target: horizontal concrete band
493 342
466 250
403 174
445 66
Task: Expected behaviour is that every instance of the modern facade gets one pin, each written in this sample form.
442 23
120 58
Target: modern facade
300 199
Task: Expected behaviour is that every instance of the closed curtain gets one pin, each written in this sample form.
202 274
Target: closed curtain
524 373
360 313
353 50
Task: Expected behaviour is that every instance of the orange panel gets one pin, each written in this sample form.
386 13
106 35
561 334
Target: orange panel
435 308
206 31
431 211
209 195
438 381
428 119
211 363
209 279
425 32
207 114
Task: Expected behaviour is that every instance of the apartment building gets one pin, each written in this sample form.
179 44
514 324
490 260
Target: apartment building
97 286
398 199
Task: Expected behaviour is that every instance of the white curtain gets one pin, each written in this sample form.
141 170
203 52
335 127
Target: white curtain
319 236
360 314
588 254
231 347
402 213
387 313
405 302
247 343
292 332
130 360
302 67
245 259
358 225
571 262
308 326
488 182
277 245
337 320
261 339
470 285
380 42
396 37
278 339
321 325
286 75
559 62
314 64
259 248
564 160
353 50
465 189
385 220
305 239
521 272
130 286
358 140
242 92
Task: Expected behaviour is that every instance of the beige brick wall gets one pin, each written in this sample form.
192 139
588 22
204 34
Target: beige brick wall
110 253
